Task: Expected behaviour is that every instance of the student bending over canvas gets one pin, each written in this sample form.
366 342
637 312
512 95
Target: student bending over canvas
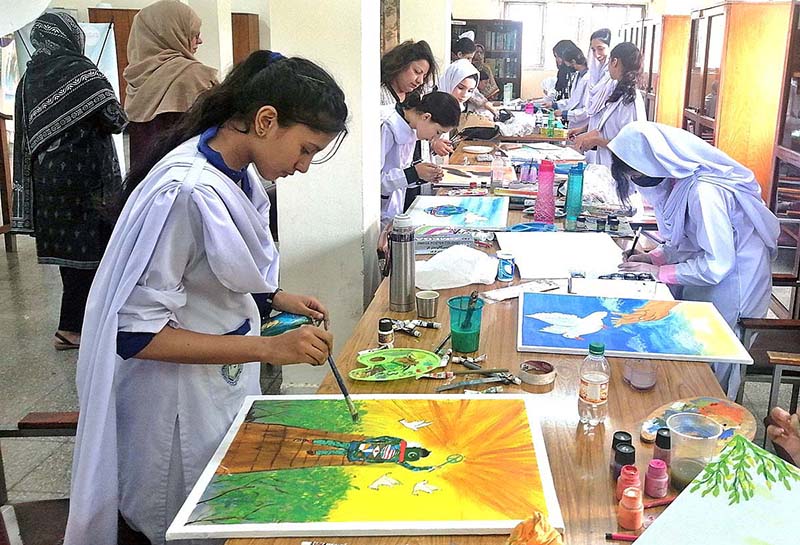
171 341
720 236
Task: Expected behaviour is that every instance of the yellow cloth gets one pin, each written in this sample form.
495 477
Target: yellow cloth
162 73
535 531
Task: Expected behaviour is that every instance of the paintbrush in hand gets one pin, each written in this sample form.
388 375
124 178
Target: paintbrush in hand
473 300
629 252
340 381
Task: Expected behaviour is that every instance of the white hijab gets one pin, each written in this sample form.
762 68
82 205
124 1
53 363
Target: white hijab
600 84
455 73
240 252
662 151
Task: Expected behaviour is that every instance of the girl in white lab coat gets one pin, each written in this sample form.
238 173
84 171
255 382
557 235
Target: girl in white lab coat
401 126
613 104
720 236
575 105
460 79
171 341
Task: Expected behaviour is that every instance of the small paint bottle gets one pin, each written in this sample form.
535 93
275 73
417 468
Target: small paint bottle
656 480
630 512
385 333
601 225
613 225
625 455
580 223
662 449
628 477
619 438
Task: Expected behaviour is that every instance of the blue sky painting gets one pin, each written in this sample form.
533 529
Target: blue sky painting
681 330
490 213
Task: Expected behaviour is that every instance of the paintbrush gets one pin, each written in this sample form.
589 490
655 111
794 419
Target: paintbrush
457 172
350 406
473 300
629 252
441 344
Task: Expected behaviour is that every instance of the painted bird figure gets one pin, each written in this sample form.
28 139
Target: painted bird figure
423 486
570 325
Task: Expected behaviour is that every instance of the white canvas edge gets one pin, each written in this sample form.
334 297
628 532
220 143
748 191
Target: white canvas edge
501 228
742 357
179 530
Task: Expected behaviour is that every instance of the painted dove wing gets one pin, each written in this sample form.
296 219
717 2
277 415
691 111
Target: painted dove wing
384 480
423 486
415 424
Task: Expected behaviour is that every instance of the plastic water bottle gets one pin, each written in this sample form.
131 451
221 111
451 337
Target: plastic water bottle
498 170
574 204
593 391
551 124
545 209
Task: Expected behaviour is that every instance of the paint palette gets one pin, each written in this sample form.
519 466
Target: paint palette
394 364
732 417
478 149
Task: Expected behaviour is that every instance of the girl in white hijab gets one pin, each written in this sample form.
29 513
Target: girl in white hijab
720 236
460 79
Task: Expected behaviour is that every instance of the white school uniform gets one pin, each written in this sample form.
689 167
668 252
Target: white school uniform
397 149
187 251
610 118
575 105
720 236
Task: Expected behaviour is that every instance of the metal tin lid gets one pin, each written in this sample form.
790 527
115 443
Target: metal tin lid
663 438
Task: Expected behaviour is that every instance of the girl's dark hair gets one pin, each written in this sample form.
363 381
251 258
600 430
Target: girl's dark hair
398 58
631 59
561 45
299 90
443 107
465 46
572 53
621 172
603 34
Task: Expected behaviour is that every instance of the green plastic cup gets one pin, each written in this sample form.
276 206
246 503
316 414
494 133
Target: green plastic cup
465 324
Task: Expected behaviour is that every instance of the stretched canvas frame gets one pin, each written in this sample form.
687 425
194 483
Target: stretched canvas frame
638 328
486 213
515 441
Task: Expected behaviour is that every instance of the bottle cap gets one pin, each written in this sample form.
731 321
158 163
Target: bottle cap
385 325
629 472
402 220
631 498
597 349
547 165
625 454
657 468
663 438
620 438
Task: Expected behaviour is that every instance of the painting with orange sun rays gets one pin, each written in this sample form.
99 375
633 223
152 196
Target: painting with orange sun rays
411 465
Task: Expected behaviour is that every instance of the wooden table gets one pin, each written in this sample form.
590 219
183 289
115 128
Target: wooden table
459 155
579 462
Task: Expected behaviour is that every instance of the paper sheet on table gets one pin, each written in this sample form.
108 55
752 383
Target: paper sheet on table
455 267
557 255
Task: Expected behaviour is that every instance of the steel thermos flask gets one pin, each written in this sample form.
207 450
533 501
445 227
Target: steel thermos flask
401 273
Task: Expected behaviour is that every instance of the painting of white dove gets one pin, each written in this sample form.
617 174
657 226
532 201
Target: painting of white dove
384 480
638 328
415 424
423 486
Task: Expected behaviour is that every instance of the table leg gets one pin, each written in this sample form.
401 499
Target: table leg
774 390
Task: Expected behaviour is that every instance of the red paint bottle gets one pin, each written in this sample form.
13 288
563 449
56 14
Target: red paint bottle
656 480
630 512
628 478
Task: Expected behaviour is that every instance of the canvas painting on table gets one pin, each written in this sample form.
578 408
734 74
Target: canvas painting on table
464 175
411 465
747 497
641 328
488 213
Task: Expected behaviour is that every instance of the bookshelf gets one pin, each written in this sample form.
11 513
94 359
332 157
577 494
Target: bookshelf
503 42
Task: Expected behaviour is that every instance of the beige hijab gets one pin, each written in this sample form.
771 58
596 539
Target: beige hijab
162 73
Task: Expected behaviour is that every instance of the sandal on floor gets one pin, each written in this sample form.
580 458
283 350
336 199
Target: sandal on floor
62 343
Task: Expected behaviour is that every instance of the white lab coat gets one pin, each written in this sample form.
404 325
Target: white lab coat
397 149
575 105
720 236
609 120
187 251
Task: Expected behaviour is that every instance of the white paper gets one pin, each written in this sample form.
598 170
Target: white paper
557 255
455 267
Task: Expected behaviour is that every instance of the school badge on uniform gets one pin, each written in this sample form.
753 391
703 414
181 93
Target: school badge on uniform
231 373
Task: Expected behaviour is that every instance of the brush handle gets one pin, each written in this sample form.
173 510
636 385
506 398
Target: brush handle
350 406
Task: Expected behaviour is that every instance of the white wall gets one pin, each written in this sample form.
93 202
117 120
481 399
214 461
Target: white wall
428 20
477 9
328 218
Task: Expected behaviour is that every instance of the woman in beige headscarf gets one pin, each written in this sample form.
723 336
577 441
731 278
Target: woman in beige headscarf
163 76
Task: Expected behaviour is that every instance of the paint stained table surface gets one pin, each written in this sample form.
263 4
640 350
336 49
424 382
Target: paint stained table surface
579 462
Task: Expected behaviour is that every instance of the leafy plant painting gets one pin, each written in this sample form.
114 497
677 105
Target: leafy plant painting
741 469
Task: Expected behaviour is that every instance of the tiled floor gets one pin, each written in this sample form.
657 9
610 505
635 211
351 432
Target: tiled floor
33 376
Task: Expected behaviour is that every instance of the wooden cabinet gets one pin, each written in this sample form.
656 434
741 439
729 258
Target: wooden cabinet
733 80
244 28
503 42
786 158
668 80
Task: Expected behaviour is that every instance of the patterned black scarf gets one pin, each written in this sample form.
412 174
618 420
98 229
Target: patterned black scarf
60 88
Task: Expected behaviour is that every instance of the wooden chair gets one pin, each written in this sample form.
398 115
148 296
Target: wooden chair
35 522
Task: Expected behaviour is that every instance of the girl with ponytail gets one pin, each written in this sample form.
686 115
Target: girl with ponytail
623 104
418 119
171 342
